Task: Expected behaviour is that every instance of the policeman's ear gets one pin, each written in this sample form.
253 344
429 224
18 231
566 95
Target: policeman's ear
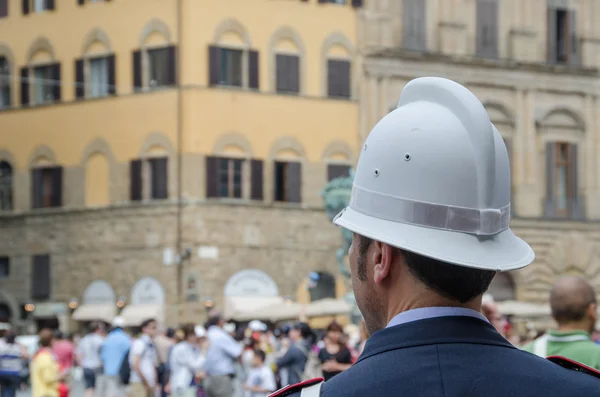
383 259
592 311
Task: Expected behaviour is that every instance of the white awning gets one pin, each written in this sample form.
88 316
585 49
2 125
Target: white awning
523 309
236 307
95 312
328 307
276 312
135 315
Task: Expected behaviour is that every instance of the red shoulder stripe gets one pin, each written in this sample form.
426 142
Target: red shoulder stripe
286 391
574 365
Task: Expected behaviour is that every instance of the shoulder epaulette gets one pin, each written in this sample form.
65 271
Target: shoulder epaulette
288 390
574 366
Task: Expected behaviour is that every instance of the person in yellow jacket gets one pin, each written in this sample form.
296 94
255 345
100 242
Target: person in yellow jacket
45 374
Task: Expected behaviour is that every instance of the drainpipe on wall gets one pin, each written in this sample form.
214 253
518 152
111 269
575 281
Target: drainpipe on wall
179 66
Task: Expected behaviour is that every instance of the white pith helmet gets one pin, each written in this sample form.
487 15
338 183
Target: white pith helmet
433 178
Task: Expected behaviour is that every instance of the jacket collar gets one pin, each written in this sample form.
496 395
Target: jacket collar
433 331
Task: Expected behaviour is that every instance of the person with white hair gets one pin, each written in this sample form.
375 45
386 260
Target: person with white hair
114 351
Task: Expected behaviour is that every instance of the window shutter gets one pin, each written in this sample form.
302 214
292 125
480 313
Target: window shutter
172 65
551 39
550 206
256 175
253 69
37 180
25 86
160 189
50 4
288 73
337 170
293 182
57 186
112 81
214 65
137 70
574 41
576 201
135 180
357 3
56 77
81 2
487 28
79 79
414 25
338 76
40 277
294 73
25 7
212 176
3 8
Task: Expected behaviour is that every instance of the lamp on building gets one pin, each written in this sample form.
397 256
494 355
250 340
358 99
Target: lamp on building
73 304
29 308
209 303
121 302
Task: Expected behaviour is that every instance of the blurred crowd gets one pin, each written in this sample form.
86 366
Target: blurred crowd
220 359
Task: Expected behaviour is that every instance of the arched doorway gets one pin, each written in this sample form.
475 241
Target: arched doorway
5 313
321 285
502 287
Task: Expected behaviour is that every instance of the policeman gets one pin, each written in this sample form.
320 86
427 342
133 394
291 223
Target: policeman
429 212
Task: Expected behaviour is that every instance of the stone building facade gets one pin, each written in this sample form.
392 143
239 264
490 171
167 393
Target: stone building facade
541 91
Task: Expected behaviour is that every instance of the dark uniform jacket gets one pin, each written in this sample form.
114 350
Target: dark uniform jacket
453 357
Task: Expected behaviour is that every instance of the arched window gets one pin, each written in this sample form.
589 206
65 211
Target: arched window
149 175
155 63
6 186
287 154
40 79
337 53
95 71
562 131
231 60
287 57
5 83
321 286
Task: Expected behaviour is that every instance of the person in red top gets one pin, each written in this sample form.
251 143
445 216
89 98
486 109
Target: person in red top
63 349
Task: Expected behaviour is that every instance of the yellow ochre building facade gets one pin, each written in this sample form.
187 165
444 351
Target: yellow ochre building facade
160 152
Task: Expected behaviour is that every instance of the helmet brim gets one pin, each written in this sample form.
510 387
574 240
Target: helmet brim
501 252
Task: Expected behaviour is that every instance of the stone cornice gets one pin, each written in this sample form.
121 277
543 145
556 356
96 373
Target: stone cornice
502 73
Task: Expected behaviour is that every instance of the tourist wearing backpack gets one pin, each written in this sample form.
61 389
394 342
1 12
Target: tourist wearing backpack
113 354
143 360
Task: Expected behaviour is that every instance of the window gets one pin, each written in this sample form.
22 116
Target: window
149 179
4 267
43 84
230 71
95 77
333 1
288 182
99 77
414 25
3 8
160 71
338 78
37 6
227 67
82 2
40 277
288 73
337 170
46 84
230 178
46 187
487 28
5 82
562 36
6 181
226 178
562 194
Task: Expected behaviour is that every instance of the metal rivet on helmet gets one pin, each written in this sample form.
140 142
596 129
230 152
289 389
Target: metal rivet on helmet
376 172
407 156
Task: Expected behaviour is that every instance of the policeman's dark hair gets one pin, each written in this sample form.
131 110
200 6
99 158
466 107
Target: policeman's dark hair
261 354
458 283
